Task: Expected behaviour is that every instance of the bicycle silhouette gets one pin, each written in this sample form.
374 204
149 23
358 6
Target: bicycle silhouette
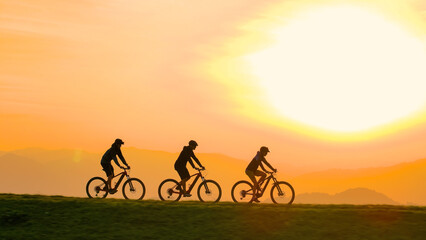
133 188
208 190
281 192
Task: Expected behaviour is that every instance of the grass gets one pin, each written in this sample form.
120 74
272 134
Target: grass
57 217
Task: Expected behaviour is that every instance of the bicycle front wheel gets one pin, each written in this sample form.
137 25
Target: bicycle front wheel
209 191
168 190
242 192
134 189
97 187
282 193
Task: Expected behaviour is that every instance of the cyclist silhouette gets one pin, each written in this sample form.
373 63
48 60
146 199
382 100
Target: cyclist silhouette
180 164
252 171
111 154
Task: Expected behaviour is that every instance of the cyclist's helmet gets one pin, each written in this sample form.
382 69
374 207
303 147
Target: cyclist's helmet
193 143
118 141
264 149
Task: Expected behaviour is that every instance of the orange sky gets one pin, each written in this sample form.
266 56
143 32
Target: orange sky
80 74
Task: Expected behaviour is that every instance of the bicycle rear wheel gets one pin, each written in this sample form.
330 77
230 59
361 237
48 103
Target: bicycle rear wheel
282 193
167 191
97 187
134 189
242 192
209 191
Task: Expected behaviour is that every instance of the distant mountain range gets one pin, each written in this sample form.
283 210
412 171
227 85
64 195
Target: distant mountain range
402 182
350 196
65 172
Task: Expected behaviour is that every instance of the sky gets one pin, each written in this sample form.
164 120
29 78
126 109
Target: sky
323 84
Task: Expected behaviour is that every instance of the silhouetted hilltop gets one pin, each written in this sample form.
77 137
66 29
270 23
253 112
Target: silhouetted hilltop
350 196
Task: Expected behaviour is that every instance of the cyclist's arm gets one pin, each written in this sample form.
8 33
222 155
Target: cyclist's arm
120 155
192 164
269 165
263 168
116 161
196 160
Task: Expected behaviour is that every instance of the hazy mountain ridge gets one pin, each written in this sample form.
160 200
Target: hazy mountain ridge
363 171
65 172
401 182
350 196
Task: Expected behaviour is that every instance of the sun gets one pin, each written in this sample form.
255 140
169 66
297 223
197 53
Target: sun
341 68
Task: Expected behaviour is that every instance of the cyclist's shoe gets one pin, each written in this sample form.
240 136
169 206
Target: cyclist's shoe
256 200
112 191
187 195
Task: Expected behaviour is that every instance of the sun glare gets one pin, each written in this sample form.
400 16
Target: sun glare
342 68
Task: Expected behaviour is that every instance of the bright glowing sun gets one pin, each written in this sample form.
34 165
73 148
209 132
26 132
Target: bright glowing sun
343 69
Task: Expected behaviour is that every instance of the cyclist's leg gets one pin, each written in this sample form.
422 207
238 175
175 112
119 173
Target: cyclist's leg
252 177
184 176
183 185
250 174
262 176
110 177
109 171
261 179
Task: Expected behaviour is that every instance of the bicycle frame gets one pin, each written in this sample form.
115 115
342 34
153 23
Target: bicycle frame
266 182
198 176
122 175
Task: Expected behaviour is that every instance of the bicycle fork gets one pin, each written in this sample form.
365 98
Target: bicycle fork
132 189
280 192
205 185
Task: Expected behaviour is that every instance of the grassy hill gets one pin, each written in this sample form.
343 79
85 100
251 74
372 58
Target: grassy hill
56 217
